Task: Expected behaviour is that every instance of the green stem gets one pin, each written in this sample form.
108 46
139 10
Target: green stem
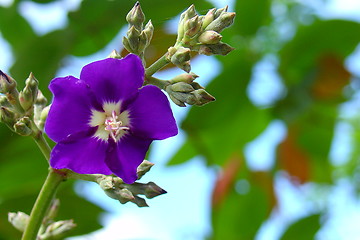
157 82
42 203
43 145
156 66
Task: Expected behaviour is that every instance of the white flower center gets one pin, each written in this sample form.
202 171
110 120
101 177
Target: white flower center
114 126
111 123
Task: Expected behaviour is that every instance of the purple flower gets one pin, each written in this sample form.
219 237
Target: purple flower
105 121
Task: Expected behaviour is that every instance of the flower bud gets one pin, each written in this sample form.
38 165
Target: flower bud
184 77
219 11
149 31
136 16
7 83
215 49
133 38
189 13
181 58
28 95
58 229
143 168
192 26
140 202
152 190
208 18
53 210
181 87
203 97
126 44
114 54
23 126
42 119
7 116
223 21
19 220
124 195
4 101
210 37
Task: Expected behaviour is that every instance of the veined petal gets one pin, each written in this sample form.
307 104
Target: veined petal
151 116
114 79
125 156
81 153
70 111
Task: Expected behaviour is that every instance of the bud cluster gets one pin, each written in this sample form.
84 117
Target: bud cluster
17 109
182 89
202 33
138 37
115 188
50 229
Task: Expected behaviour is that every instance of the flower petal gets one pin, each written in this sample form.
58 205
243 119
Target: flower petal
114 79
81 153
151 116
70 111
125 156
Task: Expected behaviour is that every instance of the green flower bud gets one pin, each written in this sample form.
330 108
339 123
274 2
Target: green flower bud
19 220
223 21
152 190
140 202
215 49
124 195
192 26
181 87
53 210
42 119
58 229
208 18
23 126
126 44
114 54
189 13
136 17
203 97
185 77
4 101
143 168
181 58
28 95
133 38
210 37
7 116
7 83
149 31
219 11
177 101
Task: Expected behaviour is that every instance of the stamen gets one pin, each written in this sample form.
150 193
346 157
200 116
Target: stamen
113 126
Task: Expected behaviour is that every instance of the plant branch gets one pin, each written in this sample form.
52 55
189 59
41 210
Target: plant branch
42 204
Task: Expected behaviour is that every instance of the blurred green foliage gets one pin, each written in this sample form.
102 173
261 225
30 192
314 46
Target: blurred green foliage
311 66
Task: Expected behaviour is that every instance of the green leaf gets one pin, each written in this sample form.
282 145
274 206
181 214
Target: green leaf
225 126
251 15
15 29
42 56
305 228
240 215
331 37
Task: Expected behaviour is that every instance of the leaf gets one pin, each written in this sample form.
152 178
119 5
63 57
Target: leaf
15 29
305 228
48 50
219 129
322 38
251 15
240 215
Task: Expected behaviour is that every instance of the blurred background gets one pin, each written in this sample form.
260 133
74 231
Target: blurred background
275 157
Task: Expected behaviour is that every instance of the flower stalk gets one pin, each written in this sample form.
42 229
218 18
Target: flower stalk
42 204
